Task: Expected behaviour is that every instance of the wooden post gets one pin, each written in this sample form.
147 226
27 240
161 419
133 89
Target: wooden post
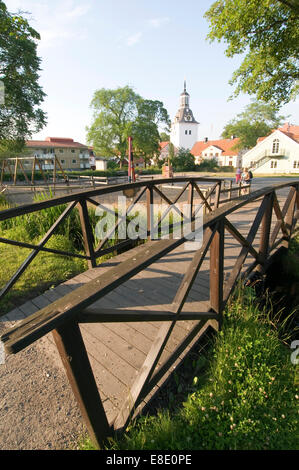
149 210
230 189
190 200
33 170
217 195
74 357
265 231
87 234
290 214
216 270
15 172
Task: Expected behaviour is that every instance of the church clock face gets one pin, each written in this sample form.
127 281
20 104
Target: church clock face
188 117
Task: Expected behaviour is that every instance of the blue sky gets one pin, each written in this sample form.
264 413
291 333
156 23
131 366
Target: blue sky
151 45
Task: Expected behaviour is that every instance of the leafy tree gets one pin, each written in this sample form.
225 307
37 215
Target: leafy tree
164 137
146 138
114 112
20 114
267 32
121 113
256 121
183 160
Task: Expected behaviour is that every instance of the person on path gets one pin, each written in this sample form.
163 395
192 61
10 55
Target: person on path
238 175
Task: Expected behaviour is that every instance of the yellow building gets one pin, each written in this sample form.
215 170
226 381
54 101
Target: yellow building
71 155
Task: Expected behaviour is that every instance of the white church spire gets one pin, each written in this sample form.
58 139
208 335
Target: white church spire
184 128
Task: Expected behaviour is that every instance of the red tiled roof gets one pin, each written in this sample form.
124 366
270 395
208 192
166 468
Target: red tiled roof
292 135
223 144
287 129
55 142
163 144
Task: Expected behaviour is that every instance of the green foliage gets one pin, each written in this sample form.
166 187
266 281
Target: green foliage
45 271
112 165
164 137
20 115
257 120
266 32
207 164
183 161
121 113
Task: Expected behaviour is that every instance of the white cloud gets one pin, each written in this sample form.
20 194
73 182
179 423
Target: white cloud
158 22
134 39
49 37
78 11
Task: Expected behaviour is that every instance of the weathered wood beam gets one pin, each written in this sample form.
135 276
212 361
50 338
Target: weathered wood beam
71 348
105 315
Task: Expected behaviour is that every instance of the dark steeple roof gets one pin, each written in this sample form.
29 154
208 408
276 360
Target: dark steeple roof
184 113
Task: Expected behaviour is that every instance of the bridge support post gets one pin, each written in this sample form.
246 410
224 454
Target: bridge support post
149 210
265 232
87 234
216 270
74 357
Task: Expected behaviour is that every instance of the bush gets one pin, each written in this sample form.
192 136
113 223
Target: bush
208 165
183 161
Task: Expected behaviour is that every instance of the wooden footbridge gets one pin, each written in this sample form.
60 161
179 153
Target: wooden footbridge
122 326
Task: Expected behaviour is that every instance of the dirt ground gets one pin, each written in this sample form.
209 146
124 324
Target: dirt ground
37 407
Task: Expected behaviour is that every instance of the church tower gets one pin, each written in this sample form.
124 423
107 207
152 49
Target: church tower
184 128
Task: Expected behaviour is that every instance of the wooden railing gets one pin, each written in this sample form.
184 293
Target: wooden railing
63 316
145 190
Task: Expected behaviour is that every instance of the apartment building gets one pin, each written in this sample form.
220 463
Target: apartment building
71 155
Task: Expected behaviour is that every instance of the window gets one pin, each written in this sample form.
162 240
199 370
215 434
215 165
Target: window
186 132
296 164
62 161
74 161
273 164
73 151
275 146
230 163
61 150
189 132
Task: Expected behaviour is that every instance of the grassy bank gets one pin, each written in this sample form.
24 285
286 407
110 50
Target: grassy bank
47 269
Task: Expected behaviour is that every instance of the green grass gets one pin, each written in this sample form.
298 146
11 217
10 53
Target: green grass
247 399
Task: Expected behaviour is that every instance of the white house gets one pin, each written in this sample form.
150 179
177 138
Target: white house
101 163
275 153
222 150
184 128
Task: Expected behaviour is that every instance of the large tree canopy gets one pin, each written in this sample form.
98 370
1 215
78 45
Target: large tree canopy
267 33
121 113
257 120
20 114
